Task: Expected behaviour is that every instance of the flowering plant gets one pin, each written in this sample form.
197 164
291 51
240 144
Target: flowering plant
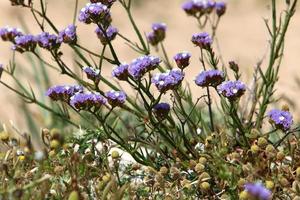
181 144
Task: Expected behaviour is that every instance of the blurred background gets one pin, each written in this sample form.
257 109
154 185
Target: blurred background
242 36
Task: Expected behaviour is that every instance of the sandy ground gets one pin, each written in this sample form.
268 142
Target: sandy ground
242 36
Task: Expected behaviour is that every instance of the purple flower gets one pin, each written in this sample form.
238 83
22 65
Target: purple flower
232 89
116 98
281 119
257 190
202 40
105 2
48 41
168 81
142 65
92 73
212 77
68 35
63 92
121 72
161 110
111 33
198 7
87 101
152 39
158 33
160 30
9 34
220 8
25 43
95 13
189 8
182 59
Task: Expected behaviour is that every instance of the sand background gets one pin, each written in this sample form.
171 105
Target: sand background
242 36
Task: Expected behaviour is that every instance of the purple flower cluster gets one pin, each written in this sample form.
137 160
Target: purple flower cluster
158 33
87 101
9 34
220 8
116 98
182 59
92 73
281 119
25 43
48 41
202 40
95 13
212 77
257 190
197 8
232 89
138 67
121 72
63 92
109 35
161 110
105 2
168 81
68 35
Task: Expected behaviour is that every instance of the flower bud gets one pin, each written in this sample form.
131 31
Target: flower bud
175 173
52 153
100 185
270 185
115 155
21 158
4 136
186 184
106 178
244 195
241 183
283 181
234 66
73 195
54 144
168 197
262 142
164 171
285 107
270 151
247 168
54 133
254 149
235 156
220 8
199 168
296 186
192 164
280 156
159 177
204 176
254 134
202 160
205 186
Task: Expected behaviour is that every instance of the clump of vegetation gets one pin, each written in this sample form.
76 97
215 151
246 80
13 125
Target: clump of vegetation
159 139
